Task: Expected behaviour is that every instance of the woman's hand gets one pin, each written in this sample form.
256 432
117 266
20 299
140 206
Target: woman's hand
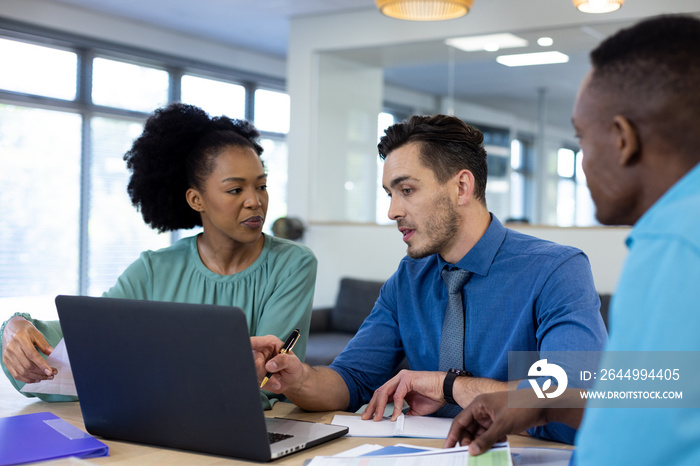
21 343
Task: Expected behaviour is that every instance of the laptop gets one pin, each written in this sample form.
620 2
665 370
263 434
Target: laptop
175 375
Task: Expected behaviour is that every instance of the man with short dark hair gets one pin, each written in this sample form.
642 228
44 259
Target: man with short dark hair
637 115
506 291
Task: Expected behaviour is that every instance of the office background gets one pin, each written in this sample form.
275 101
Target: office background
341 75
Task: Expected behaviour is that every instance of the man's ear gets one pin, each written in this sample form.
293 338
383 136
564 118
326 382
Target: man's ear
465 184
628 143
194 199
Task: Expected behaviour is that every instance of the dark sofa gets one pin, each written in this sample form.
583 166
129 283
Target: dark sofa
333 327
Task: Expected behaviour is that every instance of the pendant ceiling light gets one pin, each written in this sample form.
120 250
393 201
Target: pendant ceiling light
424 10
598 6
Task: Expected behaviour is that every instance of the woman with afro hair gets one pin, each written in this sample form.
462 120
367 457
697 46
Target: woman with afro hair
188 170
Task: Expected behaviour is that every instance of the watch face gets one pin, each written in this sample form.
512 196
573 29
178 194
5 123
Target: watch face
460 372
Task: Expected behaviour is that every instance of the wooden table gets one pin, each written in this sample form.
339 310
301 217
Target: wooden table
13 403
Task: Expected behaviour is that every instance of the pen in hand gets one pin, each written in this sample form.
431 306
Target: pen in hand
288 345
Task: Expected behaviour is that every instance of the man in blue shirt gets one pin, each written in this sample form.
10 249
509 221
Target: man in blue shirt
524 294
637 116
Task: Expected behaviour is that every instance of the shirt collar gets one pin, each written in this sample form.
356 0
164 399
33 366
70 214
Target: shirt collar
479 258
652 218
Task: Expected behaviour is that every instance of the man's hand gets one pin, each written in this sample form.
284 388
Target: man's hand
488 420
310 388
286 368
422 391
20 342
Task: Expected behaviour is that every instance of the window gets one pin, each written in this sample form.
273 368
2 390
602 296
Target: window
585 208
214 97
272 111
272 119
574 204
40 195
116 231
275 159
68 226
26 67
517 181
521 155
566 187
131 87
498 158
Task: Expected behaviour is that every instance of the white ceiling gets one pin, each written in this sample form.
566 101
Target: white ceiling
260 25
263 26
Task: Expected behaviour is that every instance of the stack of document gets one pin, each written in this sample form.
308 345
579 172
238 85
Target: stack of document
431 427
411 455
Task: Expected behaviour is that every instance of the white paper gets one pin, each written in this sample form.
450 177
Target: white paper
459 456
366 448
405 426
421 447
523 456
359 450
62 383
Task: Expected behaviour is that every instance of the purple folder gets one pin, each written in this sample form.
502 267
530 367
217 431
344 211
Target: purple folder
44 436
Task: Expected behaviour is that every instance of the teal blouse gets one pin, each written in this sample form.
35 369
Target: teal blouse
275 292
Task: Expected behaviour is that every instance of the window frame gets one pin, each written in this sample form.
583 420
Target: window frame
87 49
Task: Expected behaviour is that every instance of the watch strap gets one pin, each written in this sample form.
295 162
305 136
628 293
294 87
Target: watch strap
449 382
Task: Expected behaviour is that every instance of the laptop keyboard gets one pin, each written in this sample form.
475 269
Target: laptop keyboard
273 437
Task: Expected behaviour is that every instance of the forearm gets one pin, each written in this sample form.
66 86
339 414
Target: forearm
568 408
320 389
465 389
3 341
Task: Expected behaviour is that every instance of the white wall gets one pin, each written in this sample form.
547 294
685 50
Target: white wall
365 251
373 252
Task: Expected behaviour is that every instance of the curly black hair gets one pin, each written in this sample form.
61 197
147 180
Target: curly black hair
175 152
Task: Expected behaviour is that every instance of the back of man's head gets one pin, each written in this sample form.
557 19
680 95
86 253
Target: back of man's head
447 146
650 73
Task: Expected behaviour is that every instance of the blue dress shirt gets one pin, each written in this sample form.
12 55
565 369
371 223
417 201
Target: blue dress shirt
525 294
656 307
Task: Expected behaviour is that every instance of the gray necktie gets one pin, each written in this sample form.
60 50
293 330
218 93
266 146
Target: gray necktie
452 339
